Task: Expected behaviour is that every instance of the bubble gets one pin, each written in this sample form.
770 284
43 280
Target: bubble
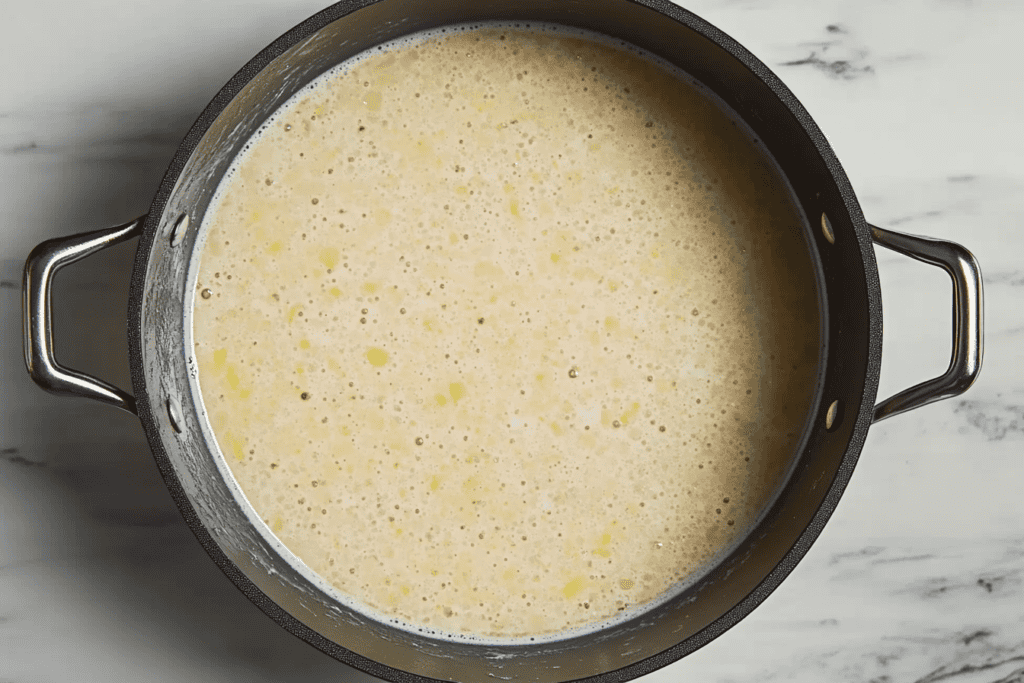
574 373
206 293
419 440
616 423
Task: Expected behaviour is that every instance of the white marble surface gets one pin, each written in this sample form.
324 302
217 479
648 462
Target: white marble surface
919 575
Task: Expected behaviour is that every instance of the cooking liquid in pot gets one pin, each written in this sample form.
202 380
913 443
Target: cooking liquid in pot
505 332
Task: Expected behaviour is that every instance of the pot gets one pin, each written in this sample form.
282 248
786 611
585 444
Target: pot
164 371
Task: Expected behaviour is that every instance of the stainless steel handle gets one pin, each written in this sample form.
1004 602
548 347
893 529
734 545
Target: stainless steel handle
44 261
965 363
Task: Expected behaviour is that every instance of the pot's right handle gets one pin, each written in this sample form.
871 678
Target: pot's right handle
44 261
965 363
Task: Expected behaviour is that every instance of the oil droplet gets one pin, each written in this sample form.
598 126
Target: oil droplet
574 373
206 293
377 357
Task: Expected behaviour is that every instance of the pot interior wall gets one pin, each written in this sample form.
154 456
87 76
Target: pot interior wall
162 364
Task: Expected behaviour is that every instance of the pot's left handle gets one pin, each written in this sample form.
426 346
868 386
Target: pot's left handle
44 261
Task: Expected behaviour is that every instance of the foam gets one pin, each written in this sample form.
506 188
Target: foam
508 395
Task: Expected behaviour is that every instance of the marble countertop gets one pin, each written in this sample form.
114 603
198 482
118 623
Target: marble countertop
919 575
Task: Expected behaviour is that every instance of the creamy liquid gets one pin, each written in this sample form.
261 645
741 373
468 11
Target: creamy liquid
505 332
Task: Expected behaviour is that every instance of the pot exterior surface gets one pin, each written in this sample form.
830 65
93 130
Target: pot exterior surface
164 371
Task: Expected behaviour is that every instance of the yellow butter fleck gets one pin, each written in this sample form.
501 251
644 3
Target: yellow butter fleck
435 481
304 344
274 247
329 256
370 287
555 258
372 100
457 390
233 379
377 357
630 413
220 357
236 447
334 291
441 400
573 587
277 525
513 207
292 311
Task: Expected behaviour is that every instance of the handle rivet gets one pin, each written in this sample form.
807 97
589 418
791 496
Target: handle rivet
174 414
179 230
826 229
832 416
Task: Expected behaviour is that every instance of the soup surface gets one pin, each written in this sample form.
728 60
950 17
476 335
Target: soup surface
505 331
